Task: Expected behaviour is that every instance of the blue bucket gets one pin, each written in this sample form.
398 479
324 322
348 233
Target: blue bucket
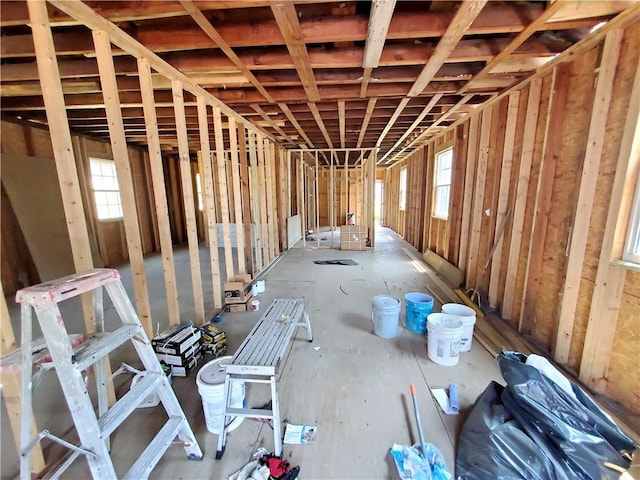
419 306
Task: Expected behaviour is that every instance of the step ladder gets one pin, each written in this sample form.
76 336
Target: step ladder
69 363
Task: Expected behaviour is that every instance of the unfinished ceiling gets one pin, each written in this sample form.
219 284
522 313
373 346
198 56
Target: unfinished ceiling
312 74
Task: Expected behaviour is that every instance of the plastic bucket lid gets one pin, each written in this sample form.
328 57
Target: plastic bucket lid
385 302
213 373
444 324
418 298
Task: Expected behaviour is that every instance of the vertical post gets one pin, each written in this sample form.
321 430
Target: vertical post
246 200
373 160
159 193
271 224
187 194
317 205
262 146
255 201
223 192
210 202
303 201
237 194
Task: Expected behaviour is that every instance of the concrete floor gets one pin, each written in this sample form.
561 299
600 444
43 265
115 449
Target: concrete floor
350 383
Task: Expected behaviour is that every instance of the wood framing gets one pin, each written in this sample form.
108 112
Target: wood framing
262 151
467 200
247 246
586 193
125 181
237 194
209 202
159 193
189 205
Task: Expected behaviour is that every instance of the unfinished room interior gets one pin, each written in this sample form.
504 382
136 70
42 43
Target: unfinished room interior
351 240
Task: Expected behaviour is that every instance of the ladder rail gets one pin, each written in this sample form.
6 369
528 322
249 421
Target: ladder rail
25 422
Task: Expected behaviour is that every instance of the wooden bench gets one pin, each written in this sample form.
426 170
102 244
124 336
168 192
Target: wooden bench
258 359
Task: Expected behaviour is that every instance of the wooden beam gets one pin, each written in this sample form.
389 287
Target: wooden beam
247 246
364 83
379 20
318 118
269 121
502 212
464 17
551 148
189 205
610 279
257 240
392 120
287 19
262 147
237 194
285 109
159 192
269 180
120 38
586 194
209 202
341 114
467 198
432 103
223 192
478 201
516 42
213 34
522 191
371 104
125 179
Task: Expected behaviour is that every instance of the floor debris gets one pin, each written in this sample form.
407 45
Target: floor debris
340 261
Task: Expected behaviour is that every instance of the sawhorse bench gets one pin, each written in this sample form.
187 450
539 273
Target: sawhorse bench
257 360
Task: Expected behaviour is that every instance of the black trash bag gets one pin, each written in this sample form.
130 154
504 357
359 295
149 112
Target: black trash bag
574 432
493 445
532 429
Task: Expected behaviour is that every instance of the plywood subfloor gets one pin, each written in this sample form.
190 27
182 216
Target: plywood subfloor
350 383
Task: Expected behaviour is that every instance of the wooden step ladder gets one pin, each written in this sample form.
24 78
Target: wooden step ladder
69 361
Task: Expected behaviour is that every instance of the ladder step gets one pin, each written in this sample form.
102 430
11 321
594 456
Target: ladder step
129 402
101 345
154 451
250 412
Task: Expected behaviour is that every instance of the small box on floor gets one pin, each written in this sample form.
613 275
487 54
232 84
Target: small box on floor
240 307
353 237
237 289
214 340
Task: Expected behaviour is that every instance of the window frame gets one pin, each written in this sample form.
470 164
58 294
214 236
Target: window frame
631 250
93 160
436 178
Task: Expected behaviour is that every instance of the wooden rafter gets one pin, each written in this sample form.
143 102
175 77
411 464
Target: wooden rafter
271 123
462 20
318 119
287 19
432 103
392 120
515 43
379 20
213 34
285 109
365 121
341 114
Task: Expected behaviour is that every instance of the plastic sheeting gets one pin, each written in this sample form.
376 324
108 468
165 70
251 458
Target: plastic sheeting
533 429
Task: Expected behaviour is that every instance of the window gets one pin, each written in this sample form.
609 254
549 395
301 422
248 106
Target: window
105 189
199 192
632 245
444 164
403 188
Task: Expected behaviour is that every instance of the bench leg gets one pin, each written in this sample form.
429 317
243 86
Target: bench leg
275 410
307 325
223 432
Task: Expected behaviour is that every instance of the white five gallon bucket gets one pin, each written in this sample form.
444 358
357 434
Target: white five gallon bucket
210 381
255 305
467 316
443 340
386 315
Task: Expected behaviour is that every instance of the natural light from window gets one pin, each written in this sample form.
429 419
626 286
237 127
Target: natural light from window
105 189
444 164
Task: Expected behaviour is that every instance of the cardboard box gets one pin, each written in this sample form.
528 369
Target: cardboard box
238 307
183 371
353 237
182 359
238 289
177 340
214 340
